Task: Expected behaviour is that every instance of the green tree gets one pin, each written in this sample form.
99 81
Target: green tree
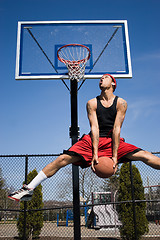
158 191
34 219
126 209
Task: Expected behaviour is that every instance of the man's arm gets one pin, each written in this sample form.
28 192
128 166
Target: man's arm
92 116
121 111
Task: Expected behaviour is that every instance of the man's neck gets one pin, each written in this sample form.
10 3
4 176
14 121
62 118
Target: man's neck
107 95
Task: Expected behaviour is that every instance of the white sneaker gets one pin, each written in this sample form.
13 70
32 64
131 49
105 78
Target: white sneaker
23 194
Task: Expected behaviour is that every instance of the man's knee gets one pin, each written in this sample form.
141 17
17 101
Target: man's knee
63 160
140 155
66 159
147 155
144 154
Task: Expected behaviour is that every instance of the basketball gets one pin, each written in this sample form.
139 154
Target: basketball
104 168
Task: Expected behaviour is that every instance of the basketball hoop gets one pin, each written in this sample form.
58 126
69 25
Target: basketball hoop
75 57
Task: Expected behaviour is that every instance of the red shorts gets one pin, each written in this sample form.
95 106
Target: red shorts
83 148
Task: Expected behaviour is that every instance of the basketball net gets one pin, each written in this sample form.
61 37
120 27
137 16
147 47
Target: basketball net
75 57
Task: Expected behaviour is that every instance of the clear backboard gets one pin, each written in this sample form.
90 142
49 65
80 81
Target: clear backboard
38 43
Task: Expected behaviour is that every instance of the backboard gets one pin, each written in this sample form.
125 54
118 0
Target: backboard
39 41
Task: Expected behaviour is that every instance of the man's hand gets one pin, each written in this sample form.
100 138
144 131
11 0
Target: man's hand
94 162
115 163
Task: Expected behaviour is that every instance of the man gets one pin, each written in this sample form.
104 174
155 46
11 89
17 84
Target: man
106 114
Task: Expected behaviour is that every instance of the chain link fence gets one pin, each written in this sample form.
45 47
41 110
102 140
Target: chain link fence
95 194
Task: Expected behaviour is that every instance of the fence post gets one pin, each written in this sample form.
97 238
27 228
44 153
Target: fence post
25 203
133 200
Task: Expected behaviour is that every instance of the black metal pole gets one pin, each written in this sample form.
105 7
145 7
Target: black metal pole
133 200
75 169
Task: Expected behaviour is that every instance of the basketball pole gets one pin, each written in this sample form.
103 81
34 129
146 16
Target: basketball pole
75 169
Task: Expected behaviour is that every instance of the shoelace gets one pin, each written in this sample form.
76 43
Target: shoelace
21 190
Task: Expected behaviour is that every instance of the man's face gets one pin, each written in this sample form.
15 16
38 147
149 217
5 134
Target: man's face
105 82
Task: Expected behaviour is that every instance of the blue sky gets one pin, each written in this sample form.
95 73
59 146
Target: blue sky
35 115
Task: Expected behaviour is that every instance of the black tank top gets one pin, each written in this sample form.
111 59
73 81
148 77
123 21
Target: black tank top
106 117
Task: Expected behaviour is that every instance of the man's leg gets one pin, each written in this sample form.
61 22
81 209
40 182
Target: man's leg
26 192
146 157
61 161
52 168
